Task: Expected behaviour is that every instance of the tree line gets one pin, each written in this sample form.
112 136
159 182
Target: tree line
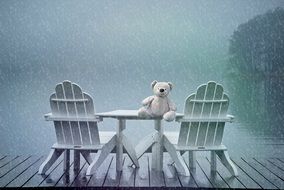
256 64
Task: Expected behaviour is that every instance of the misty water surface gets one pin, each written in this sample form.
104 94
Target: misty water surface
114 50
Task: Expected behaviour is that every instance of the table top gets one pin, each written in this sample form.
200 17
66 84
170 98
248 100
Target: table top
128 114
133 114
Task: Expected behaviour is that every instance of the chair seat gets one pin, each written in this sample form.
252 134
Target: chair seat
105 137
173 138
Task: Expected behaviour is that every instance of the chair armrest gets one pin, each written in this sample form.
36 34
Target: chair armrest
50 117
47 116
231 117
228 118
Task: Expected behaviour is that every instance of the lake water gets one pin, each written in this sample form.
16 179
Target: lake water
114 51
24 131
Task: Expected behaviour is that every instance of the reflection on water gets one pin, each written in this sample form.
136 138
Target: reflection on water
253 125
244 141
258 128
114 51
258 107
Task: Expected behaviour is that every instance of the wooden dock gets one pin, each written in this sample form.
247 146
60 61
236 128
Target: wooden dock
255 173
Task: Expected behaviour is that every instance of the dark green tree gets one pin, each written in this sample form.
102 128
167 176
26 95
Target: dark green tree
256 63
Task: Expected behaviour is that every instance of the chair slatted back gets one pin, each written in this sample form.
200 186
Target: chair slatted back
208 102
69 101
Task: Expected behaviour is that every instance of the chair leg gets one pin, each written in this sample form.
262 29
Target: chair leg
66 160
52 157
176 156
213 161
102 154
76 160
192 159
225 159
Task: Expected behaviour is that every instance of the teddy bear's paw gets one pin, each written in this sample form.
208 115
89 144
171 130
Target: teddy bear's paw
169 116
142 112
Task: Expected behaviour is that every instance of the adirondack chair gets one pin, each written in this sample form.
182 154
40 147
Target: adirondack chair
202 126
73 115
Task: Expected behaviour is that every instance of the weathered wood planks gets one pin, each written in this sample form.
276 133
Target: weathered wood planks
256 173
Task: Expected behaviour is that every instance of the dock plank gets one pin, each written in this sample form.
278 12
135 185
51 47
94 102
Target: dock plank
98 178
156 177
199 177
37 179
233 182
277 162
142 178
6 160
271 167
265 172
245 179
259 179
12 164
113 176
214 177
17 171
81 179
170 173
69 176
127 178
55 176
254 173
188 181
281 159
26 175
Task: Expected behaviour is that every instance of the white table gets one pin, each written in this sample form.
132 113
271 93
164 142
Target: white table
157 140
121 139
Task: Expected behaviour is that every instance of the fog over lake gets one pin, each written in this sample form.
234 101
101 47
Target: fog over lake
114 50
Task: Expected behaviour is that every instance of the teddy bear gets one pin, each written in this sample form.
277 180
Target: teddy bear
159 104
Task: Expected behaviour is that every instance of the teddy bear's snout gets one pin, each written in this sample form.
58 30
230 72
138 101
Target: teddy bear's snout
162 90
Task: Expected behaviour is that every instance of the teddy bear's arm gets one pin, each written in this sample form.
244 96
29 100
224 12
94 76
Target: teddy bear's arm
172 106
147 100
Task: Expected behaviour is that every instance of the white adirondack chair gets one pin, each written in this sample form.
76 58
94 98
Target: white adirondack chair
72 112
202 126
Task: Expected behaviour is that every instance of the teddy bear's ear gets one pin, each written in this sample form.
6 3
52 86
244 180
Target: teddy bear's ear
171 85
154 83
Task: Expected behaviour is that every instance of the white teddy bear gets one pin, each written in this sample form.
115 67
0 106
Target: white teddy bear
159 104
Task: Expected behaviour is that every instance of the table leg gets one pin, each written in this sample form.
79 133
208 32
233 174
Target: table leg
146 143
130 150
157 148
119 144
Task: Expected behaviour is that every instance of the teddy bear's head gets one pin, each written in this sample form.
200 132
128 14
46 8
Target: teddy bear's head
161 89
